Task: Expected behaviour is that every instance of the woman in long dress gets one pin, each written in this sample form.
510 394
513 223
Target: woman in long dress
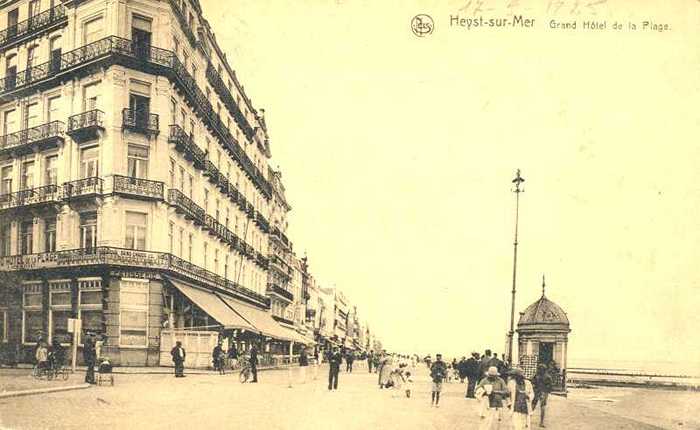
385 368
521 395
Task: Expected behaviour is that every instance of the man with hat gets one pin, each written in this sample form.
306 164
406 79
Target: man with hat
492 390
178 354
542 382
438 372
472 371
89 356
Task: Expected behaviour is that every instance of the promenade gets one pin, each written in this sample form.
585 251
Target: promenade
159 401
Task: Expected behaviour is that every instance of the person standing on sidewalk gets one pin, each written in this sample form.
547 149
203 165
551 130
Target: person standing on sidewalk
254 363
89 356
493 390
370 360
303 364
349 359
521 394
334 360
178 355
542 382
472 371
438 372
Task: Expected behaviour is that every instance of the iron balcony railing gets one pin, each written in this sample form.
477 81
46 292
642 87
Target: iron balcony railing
276 289
110 256
137 187
30 197
183 22
186 205
262 261
41 133
211 171
83 187
113 49
220 87
91 119
140 121
262 222
185 144
32 25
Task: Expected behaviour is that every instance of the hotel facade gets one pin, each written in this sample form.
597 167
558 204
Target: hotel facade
135 192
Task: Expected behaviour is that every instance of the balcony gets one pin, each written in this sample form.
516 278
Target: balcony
262 222
220 87
83 188
279 265
33 26
215 228
186 206
149 59
42 136
223 183
250 210
102 256
86 126
211 172
276 290
138 188
185 145
140 122
184 25
47 195
261 261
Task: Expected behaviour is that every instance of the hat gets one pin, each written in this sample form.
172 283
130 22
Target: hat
516 371
493 371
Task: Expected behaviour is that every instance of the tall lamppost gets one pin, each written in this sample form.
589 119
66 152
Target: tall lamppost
517 181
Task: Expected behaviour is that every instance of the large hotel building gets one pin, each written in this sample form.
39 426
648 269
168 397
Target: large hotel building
135 192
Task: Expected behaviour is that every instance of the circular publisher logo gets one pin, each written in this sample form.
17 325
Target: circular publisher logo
422 25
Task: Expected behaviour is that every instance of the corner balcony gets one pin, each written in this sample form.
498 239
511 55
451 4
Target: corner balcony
186 146
137 188
40 137
87 188
86 126
47 196
280 266
275 290
33 27
183 205
103 257
140 122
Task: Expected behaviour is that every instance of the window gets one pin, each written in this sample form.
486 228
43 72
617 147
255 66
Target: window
11 71
227 215
55 54
141 109
89 162
50 235
191 189
183 118
34 8
176 47
141 33
137 160
171 229
181 234
26 237
133 313
51 170
226 267
189 247
206 200
31 56
92 30
6 180
88 230
182 180
172 173
27 177
173 111
59 311
205 255
91 96
217 210
135 231
32 317
90 304
216 261
5 239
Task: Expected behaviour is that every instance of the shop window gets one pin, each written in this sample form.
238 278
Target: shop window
135 231
59 311
32 316
90 305
133 313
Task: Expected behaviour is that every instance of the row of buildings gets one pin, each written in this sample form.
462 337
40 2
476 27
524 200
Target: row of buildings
136 193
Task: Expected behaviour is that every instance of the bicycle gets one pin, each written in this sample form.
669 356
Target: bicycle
39 372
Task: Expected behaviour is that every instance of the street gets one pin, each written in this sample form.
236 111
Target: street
206 401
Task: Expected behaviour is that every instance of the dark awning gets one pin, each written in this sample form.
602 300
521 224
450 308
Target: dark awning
260 320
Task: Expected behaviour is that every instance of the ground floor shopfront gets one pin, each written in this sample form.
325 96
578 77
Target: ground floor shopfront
137 313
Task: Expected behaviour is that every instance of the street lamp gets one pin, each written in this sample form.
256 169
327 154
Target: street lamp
517 181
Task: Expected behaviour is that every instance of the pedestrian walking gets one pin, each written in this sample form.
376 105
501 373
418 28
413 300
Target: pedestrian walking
349 359
521 394
303 364
542 382
384 370
232 355
492 389
370 360
462 369
42 356
472 370
90 357
438 372
334 360
217 357
254 363
178 355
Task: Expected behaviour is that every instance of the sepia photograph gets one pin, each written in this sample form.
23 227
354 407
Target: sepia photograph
350 214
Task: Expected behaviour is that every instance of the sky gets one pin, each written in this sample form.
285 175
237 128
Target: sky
398 152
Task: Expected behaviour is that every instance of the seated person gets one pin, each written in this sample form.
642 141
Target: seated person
105 366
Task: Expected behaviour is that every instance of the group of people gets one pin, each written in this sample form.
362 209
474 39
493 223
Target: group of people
496 386
49 357
53 357
219 356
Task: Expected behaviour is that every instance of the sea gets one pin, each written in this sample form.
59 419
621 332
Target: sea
649 367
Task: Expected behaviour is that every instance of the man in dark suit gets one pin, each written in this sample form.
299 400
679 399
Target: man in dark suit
334 360
178 354
89 356
254 363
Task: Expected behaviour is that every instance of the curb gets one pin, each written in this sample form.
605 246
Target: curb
42 391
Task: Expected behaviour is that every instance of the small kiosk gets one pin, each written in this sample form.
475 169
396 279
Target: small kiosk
543 331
